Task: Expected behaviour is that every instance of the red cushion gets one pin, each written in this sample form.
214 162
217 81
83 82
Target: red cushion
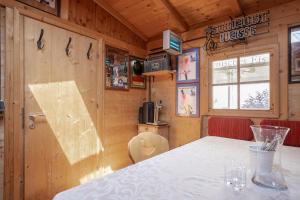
293 137
235 128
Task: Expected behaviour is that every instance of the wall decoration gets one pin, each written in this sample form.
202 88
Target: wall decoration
294 54
137 80
187 100
116 68
188 66
49 6
236 30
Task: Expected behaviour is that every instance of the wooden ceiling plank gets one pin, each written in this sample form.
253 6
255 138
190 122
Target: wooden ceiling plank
119 17
167 4
235 7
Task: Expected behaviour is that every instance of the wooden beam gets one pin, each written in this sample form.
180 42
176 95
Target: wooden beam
235 7
167 4
120 18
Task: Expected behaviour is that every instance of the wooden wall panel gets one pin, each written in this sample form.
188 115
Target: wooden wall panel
120 125
90 15
182 129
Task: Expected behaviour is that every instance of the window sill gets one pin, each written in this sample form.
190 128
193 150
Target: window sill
244 113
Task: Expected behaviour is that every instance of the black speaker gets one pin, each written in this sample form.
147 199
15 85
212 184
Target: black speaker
141 116
148 112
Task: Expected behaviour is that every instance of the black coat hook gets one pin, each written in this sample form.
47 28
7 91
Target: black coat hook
39 43
89 56
68 52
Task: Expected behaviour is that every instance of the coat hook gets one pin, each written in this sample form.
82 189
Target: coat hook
68 52
39 43
89 56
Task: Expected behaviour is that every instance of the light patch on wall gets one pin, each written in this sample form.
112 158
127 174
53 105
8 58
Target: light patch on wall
69 119
96 174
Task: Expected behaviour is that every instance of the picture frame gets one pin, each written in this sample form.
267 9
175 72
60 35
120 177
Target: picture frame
188 66
49 6
116 68
294 54
137 80
187 100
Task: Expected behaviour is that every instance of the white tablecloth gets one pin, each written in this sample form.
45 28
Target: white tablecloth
191 172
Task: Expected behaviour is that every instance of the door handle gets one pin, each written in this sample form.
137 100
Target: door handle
35 117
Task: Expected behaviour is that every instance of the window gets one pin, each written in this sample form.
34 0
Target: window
241 83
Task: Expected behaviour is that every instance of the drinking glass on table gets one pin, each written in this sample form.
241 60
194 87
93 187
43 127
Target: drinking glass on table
235 175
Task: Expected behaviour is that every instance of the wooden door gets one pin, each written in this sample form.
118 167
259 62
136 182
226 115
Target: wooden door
62 141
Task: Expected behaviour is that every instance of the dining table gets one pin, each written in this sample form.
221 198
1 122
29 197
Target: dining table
194 171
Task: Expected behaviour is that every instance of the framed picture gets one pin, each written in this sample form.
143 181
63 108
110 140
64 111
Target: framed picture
137 80
188 66
116 68
49 6
294 54
187 100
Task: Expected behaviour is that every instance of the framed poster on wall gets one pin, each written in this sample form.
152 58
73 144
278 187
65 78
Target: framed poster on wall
116 68
188 66
137 80
49 6
187 100
294 54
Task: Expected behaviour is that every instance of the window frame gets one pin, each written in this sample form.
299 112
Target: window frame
273 112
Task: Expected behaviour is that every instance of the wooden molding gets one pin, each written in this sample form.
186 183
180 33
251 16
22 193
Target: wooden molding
120 18
167 4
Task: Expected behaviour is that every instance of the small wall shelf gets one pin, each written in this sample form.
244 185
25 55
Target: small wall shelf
160 73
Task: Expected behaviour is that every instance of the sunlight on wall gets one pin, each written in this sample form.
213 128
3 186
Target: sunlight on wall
96 174
69 119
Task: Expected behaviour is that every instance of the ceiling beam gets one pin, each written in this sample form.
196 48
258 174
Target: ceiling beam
167 4
235 7
103 4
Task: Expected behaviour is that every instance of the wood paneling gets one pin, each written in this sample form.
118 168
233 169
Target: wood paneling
103 4
92 16
254 5
149 16
116 155
182 129
120 125
281 17
154 16
65 144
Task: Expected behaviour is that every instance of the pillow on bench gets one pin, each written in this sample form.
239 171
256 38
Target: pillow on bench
235 128
293 137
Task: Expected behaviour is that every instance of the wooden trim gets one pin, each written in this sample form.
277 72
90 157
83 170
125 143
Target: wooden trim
120 18
8 115
18 103
64 9
167 4
14 100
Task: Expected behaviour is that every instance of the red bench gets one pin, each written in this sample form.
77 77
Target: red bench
235 128
293 137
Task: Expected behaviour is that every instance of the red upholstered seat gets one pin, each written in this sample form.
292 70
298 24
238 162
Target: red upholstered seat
293 137
235 128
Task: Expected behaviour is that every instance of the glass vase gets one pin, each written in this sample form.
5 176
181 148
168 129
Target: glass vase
265 156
